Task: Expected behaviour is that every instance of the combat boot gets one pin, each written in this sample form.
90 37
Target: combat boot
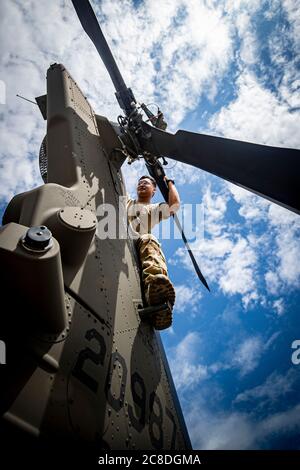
159 290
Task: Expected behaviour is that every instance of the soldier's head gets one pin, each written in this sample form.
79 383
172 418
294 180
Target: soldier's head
146 187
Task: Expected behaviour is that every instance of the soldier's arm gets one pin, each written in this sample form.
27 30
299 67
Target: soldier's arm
174 200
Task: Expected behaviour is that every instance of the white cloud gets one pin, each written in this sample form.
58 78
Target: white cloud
272 282
280 423
224 255
292 8
238 262
238 431
279 216
212 431
248 117
283 43
238 273
257 116
186 370
279 306
281 232
249 44
288 252
191 51
243 356
172 50
286 228
187 298
185 174
215 206
247 355
273 389
271 340
252 208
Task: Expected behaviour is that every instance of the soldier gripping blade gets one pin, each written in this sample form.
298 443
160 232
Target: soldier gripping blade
142 217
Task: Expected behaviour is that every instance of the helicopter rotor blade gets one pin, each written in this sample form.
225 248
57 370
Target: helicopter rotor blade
92 28
271 172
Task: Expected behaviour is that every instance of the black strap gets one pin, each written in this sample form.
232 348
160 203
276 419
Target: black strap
195 264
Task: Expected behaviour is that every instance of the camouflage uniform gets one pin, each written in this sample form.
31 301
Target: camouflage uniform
157 287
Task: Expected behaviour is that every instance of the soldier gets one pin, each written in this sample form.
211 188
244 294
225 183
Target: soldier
142 217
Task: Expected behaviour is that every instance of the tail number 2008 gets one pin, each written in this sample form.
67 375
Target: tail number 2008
138 388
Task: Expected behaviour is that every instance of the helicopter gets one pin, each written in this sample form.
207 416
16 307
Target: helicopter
83 364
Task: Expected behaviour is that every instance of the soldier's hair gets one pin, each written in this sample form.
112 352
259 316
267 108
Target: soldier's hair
149 178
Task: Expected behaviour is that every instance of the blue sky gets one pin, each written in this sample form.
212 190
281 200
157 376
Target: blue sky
227 68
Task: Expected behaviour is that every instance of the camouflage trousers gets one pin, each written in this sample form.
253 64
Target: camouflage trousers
152 259
158 288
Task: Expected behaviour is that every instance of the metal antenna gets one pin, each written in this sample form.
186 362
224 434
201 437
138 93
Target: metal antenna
26 99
